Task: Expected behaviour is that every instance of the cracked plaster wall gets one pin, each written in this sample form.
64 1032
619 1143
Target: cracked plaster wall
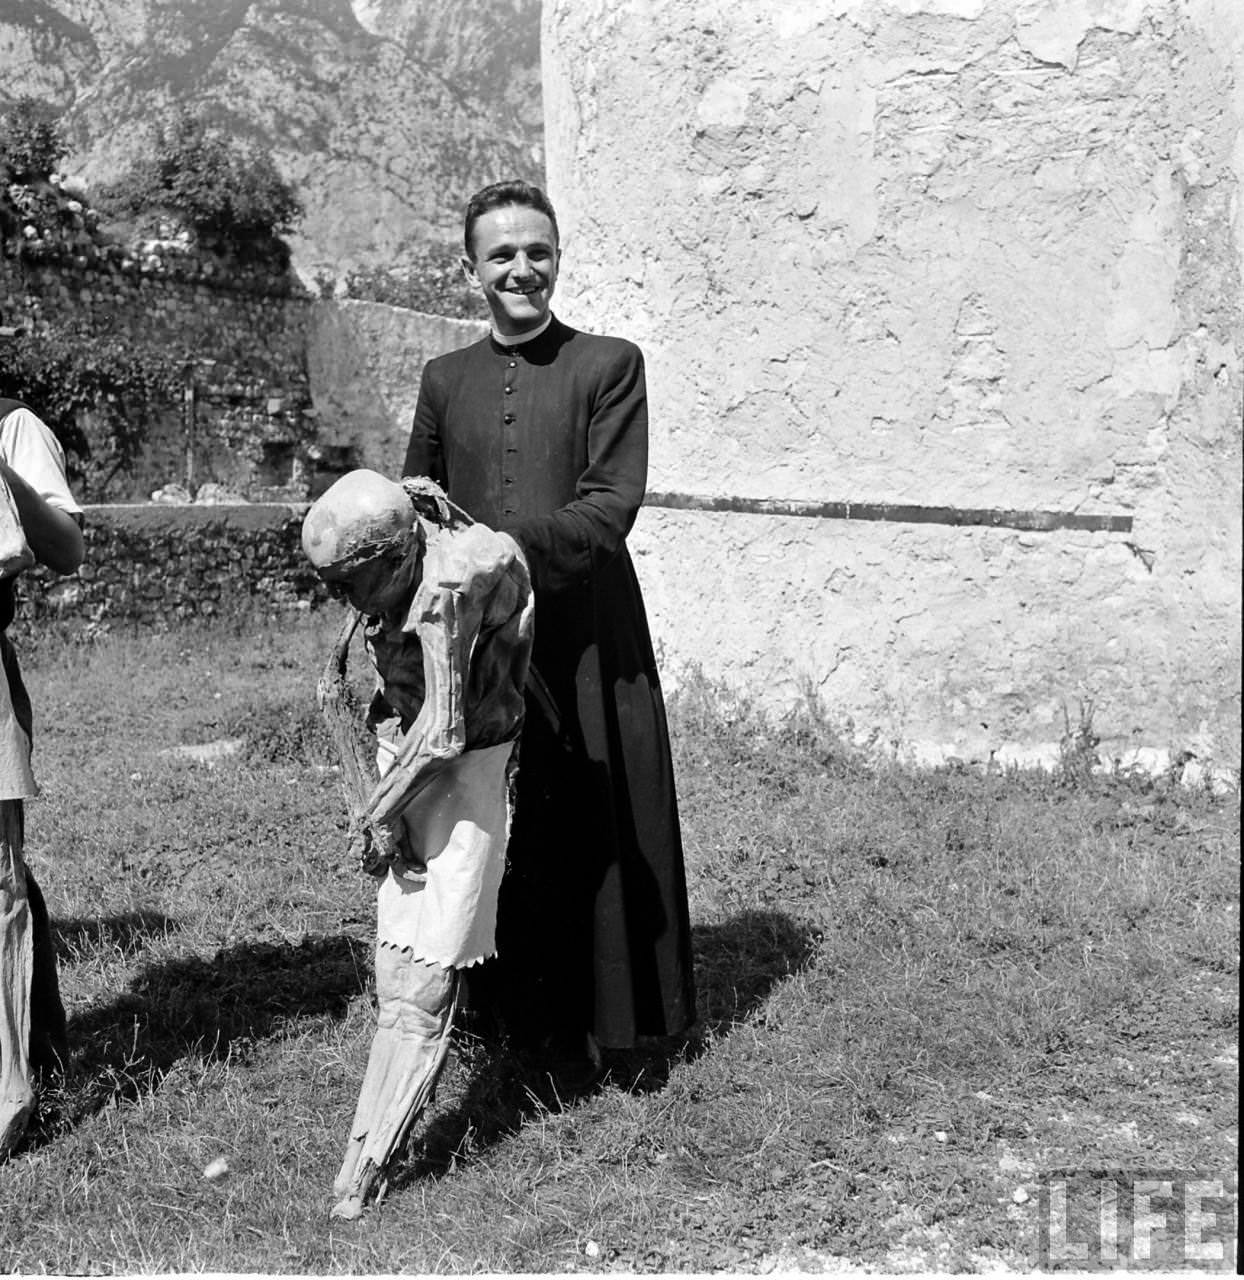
364 365
940 252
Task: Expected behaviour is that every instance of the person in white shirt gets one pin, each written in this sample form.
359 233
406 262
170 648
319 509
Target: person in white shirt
39 523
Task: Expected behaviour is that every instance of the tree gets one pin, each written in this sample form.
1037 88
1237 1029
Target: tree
99 396
230 196
31 145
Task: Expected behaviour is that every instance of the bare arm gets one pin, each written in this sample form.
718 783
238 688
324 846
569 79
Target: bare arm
438 735
458 594
54 535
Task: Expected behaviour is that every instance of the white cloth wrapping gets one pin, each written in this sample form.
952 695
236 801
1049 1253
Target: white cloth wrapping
458 826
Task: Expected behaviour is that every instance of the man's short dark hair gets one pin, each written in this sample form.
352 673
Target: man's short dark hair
501 195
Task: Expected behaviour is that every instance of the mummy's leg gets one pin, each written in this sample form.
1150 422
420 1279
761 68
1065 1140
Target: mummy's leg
412 1038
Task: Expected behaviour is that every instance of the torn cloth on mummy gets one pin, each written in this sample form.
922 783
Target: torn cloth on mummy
445 910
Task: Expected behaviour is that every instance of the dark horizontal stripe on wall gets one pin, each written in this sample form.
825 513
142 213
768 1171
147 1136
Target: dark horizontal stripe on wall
895 513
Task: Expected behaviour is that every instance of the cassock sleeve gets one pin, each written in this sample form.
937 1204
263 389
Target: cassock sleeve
565 547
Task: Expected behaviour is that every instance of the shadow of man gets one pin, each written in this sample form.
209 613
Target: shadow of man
738 963
173 1008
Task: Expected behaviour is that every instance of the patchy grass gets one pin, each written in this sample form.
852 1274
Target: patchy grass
917 992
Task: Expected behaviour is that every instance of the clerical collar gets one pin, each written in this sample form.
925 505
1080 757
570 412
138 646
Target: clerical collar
517 339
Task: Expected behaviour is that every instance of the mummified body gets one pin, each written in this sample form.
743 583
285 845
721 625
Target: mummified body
448 627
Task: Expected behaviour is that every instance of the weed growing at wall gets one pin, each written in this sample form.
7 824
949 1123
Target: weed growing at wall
46 217
429 280
98 395
228 195
36 207
31 145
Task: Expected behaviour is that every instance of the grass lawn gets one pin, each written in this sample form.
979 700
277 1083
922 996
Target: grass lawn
918 991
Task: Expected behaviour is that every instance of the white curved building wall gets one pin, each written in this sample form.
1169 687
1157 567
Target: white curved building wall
949 254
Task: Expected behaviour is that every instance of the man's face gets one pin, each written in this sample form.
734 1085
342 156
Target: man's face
515 266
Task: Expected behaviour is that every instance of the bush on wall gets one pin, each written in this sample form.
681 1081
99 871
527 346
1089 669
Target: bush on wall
98 395
31 145
429 280
228 195
37 209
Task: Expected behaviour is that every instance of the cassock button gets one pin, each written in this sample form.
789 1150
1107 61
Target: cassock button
509 391
513 364
509 417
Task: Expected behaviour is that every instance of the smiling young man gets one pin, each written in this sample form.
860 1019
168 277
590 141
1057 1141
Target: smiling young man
514 265
541 431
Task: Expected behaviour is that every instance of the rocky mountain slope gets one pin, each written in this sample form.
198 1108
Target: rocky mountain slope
385 114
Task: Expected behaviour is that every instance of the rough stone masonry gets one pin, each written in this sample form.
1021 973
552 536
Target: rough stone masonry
924 261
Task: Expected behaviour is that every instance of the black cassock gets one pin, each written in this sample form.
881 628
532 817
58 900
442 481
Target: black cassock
549 441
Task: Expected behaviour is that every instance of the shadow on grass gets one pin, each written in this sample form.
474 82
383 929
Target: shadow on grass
737 964
127 934
192 1005
248 992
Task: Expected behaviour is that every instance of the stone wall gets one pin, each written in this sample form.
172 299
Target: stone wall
971 272
364 362
241 415
155 566
287 391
